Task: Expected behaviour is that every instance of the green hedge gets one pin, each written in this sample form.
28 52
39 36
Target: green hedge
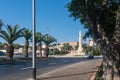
96 52
59 52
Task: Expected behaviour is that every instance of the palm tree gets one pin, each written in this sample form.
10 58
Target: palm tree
12 34
27 34
47 39
1 24
38 40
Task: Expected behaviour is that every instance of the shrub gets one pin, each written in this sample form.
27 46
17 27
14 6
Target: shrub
59 52
56 51
96 52
62 52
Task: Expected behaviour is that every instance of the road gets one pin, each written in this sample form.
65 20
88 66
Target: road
22 70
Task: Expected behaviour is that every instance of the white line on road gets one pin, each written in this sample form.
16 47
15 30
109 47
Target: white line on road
30 79
65 61
52 63
75 60
26 68
4 65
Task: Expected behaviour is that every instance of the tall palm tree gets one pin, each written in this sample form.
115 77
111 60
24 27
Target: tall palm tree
1 24
12 34
47 39
27 34
38 40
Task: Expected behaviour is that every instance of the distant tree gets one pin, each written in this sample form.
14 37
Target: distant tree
12 34
16 46
67 47
53 45
85 48
56 51
102 20
47 39
58 44
76 47
27 34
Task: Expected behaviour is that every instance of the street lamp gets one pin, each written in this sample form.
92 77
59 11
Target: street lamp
33 36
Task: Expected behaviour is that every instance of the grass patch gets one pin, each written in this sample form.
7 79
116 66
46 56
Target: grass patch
99 73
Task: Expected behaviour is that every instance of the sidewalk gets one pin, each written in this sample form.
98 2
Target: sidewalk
78 71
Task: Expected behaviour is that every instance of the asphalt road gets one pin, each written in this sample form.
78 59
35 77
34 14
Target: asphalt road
22 70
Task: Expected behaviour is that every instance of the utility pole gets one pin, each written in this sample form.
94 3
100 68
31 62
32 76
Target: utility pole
33 36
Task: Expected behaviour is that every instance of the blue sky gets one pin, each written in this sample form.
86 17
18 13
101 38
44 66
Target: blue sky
51 18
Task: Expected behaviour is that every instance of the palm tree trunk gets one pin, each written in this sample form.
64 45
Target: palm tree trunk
9 51
40 49
46 50
26 48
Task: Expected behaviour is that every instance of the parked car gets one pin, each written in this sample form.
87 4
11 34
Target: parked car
2 53
89 56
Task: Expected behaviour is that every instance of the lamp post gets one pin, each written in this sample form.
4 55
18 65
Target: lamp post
33 36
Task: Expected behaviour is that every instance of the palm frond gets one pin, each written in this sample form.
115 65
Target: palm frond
4 35
38 37
18 34
47 39
11 34
15 28
9 29
27 34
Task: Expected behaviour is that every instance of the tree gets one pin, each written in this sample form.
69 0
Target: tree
56 51
12 34
102 20
1 24
76 47
47 39
85 48
16 46
67 47
27 34
38 40
1 45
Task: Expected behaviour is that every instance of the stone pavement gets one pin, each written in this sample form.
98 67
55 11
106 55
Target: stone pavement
77 71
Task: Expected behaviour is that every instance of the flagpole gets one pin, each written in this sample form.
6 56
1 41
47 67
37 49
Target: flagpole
33 36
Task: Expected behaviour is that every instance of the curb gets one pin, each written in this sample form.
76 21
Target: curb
94 74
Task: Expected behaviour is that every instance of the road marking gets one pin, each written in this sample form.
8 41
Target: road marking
26 68
75 60
4 65
65 61
52 63
30 79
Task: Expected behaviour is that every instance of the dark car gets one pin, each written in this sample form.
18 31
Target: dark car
89 56
2 53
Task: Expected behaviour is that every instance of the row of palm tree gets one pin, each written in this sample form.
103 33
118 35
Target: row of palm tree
13 33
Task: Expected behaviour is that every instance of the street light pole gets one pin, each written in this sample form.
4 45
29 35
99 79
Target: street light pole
33 36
